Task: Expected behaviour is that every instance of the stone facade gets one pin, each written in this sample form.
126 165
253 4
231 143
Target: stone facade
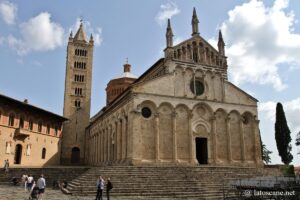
29 136
182 110
77 99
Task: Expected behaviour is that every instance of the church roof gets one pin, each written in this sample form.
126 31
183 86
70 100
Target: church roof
8 100
81 35
126 75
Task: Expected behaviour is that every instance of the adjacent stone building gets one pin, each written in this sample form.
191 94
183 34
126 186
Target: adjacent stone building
182 111
29 136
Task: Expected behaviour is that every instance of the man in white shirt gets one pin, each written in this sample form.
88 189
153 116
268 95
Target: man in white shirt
41 184
29 182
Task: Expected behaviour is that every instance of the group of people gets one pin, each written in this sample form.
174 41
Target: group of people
100 187
35 188
6 166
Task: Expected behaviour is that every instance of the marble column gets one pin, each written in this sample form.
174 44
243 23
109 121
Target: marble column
174 116
214 138
242 138
229 156
192 150
156 137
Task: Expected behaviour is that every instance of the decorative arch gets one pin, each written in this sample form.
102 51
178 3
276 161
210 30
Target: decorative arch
203 111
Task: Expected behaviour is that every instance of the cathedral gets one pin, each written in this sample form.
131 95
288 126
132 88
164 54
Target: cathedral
181 111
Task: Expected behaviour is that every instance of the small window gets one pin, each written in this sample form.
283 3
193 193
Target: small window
30 125
78 91
197 87
8 148
48 129
44 153
56 131
146 112
77 103
40 125
11 120
28 150
21 123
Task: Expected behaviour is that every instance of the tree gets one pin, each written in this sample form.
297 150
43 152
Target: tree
265 153
283 136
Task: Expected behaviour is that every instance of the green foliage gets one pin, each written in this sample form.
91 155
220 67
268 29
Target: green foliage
265 152
283 136
288 170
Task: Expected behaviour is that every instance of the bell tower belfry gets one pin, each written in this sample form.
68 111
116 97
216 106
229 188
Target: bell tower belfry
77 96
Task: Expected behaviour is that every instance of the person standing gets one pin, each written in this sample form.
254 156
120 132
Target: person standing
100 187
6 165
29 182
41 184
108 187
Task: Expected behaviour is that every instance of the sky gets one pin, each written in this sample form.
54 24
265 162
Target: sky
262 40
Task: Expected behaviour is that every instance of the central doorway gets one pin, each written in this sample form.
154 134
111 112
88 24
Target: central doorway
75 157
201 150
18 154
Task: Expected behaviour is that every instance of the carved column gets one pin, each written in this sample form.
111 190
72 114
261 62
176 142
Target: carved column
257 147
174 116
116 141
126 136
242 132
156 137
214 138
184 85
213 86
229 139
108 142
105 144
120 139
123 138
192 150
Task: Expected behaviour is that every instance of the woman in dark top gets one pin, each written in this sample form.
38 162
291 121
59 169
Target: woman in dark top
108 187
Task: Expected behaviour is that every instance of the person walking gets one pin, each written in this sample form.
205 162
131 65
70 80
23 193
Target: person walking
41 184
100 187
108 187
29 182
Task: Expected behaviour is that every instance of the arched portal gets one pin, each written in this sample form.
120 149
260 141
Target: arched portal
201 150
18 154
75 157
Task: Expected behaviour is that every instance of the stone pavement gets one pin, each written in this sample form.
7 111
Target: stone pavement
18 193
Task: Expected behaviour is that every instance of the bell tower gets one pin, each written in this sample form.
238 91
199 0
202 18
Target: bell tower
77 96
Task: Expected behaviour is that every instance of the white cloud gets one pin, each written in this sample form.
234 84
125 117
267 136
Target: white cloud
259 39
38 34
97 32
167 11
8 12
291 109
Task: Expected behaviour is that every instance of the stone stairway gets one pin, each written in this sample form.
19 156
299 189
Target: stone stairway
166 182
51 173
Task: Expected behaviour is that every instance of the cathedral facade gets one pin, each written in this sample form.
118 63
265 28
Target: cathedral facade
182 110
